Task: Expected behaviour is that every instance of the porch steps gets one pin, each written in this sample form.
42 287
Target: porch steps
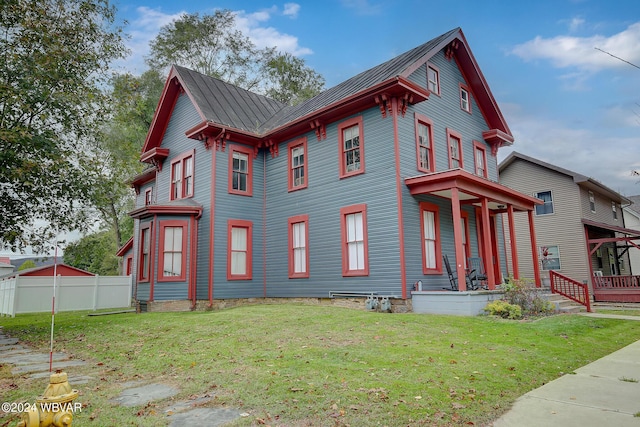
563 304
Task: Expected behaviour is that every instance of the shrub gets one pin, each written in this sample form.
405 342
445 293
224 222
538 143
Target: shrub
524 294
504 309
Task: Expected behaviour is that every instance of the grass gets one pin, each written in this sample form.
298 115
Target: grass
299 365
624 312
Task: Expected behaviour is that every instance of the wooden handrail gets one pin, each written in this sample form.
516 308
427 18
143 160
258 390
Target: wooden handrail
572 289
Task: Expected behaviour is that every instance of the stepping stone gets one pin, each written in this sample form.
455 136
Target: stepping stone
142 395
14 349
41 367
73 379
8 341
187 404
32 358
209 417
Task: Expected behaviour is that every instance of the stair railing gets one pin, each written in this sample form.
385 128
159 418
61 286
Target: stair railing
569 288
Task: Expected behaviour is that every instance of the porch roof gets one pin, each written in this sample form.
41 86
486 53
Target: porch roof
174 207
472 189
627 231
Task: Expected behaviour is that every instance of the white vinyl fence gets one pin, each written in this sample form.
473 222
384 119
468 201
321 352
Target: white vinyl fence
32 294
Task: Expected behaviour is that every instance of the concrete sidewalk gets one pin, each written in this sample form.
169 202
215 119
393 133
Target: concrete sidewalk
603 393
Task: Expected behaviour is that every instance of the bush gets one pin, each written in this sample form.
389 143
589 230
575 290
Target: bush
524 294
504 309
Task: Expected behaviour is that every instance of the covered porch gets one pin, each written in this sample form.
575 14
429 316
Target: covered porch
489 199
610 270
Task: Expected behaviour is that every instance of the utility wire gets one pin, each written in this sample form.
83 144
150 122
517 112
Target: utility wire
623 60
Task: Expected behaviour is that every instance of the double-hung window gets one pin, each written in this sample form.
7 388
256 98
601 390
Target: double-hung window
480 159
592 202
614 211
297 164
173 245
550 257
351 147
298 247
433 79
430 233
240 170
424 143
239 250
454 142
547 207
145 252
182 176
353 228
465 99
148 196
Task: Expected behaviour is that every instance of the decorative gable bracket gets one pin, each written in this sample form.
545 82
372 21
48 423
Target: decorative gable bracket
155 156
220 140
450 50
384 103
319 128
496 139
404 102
273 148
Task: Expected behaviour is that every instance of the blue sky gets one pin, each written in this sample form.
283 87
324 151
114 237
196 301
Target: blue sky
565 101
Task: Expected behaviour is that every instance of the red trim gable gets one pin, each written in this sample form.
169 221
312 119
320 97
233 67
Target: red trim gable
125 248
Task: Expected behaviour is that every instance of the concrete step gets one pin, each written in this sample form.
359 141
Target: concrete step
563 304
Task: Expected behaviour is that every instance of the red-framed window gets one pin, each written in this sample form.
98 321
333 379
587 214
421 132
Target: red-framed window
173 251
144 266
454 144
239 249
182 176
297 164
351 147
299 247
431 243
424 143
466 247
148 196
433 79
240 170
353 231
465 98
480 159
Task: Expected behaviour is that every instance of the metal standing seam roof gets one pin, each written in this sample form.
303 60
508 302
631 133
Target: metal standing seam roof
228 105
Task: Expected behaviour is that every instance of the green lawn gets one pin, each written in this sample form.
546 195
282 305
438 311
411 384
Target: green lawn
300 365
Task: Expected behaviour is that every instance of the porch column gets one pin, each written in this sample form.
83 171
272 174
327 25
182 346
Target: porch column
514 245
486 243
534 250
588 243
457 239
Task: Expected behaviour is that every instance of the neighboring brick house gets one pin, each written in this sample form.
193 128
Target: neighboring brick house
580 228
362 188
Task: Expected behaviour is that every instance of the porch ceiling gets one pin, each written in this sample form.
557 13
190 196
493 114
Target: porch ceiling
627 231
472 189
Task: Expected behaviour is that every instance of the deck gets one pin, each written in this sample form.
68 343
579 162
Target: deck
616 288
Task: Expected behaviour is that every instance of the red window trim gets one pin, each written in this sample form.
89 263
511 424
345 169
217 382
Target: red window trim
344 125
185 227
145 276
290 147
466 88
478 146
148 196
467 248
182 160
422 119
239 223
296 220
430 207
437 70
458 136
348 210
249 152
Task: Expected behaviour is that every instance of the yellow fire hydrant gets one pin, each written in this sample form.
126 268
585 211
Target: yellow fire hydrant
55 407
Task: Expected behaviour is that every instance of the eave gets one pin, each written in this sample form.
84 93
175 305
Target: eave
155 156
472 189
146 176
125 248
151 210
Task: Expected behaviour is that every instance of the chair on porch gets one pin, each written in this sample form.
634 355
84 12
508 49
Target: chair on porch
452 279
476 274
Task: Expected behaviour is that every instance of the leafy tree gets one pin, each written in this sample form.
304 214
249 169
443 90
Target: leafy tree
112 159
27 264
95 253
55 56
209 44
289 80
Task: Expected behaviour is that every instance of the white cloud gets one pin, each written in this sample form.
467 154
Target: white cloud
363 7
606 158
581 52
291 10
575 24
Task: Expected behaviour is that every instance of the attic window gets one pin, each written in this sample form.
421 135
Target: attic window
465 100
433 79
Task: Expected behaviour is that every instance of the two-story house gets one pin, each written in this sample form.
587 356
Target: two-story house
580 228
362 188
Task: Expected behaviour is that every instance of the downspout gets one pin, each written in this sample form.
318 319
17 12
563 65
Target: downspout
264 224
396 147
212 211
